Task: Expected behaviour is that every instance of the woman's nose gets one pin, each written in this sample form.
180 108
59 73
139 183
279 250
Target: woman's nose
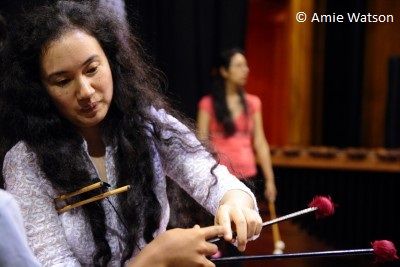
84 90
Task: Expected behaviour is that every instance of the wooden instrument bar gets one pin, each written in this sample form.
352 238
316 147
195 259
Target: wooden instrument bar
375 160
364 183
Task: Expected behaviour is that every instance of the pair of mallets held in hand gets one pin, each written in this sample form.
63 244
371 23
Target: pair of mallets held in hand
383 250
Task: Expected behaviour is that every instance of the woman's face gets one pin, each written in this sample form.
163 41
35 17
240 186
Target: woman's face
238 70
77 76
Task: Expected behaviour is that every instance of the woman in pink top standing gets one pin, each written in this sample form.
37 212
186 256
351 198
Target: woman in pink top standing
231 119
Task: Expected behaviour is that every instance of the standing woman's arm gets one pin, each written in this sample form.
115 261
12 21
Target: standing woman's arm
261 148
203 125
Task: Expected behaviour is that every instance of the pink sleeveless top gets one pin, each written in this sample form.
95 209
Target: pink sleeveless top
235 152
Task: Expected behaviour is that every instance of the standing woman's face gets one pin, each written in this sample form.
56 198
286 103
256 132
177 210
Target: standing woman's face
77 76
237 72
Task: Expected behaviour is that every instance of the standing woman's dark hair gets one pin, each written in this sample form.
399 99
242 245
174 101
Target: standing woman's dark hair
218 93
128 123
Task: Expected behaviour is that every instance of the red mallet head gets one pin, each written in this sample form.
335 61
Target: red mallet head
324 205
384 250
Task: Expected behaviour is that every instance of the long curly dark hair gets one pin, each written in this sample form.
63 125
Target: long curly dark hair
222 112
129 124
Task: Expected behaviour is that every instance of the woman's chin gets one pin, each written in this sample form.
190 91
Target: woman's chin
89 122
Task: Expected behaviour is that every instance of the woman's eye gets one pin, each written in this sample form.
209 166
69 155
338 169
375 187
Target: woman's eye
92 70
62 83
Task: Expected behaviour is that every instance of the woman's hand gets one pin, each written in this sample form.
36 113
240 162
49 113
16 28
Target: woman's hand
270 191
180 247
237 207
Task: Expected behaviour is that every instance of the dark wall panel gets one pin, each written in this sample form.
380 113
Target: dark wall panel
184 37
343 77
392 129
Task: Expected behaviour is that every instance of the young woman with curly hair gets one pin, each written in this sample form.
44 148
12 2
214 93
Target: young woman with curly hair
83 106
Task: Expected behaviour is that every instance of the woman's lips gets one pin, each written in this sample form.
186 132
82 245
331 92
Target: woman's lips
90 107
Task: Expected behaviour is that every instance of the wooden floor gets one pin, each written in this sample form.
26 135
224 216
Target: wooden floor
297 240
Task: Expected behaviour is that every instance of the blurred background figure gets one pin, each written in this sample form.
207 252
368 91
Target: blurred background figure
231 119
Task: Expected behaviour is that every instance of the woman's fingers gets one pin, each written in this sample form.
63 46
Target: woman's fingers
253 223
248 223
213 231
239 219
237 207
223 218
259 225
209 249
208 263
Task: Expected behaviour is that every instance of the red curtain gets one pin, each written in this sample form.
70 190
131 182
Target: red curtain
267 54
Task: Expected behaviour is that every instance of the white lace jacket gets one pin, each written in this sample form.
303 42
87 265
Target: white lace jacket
66 239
